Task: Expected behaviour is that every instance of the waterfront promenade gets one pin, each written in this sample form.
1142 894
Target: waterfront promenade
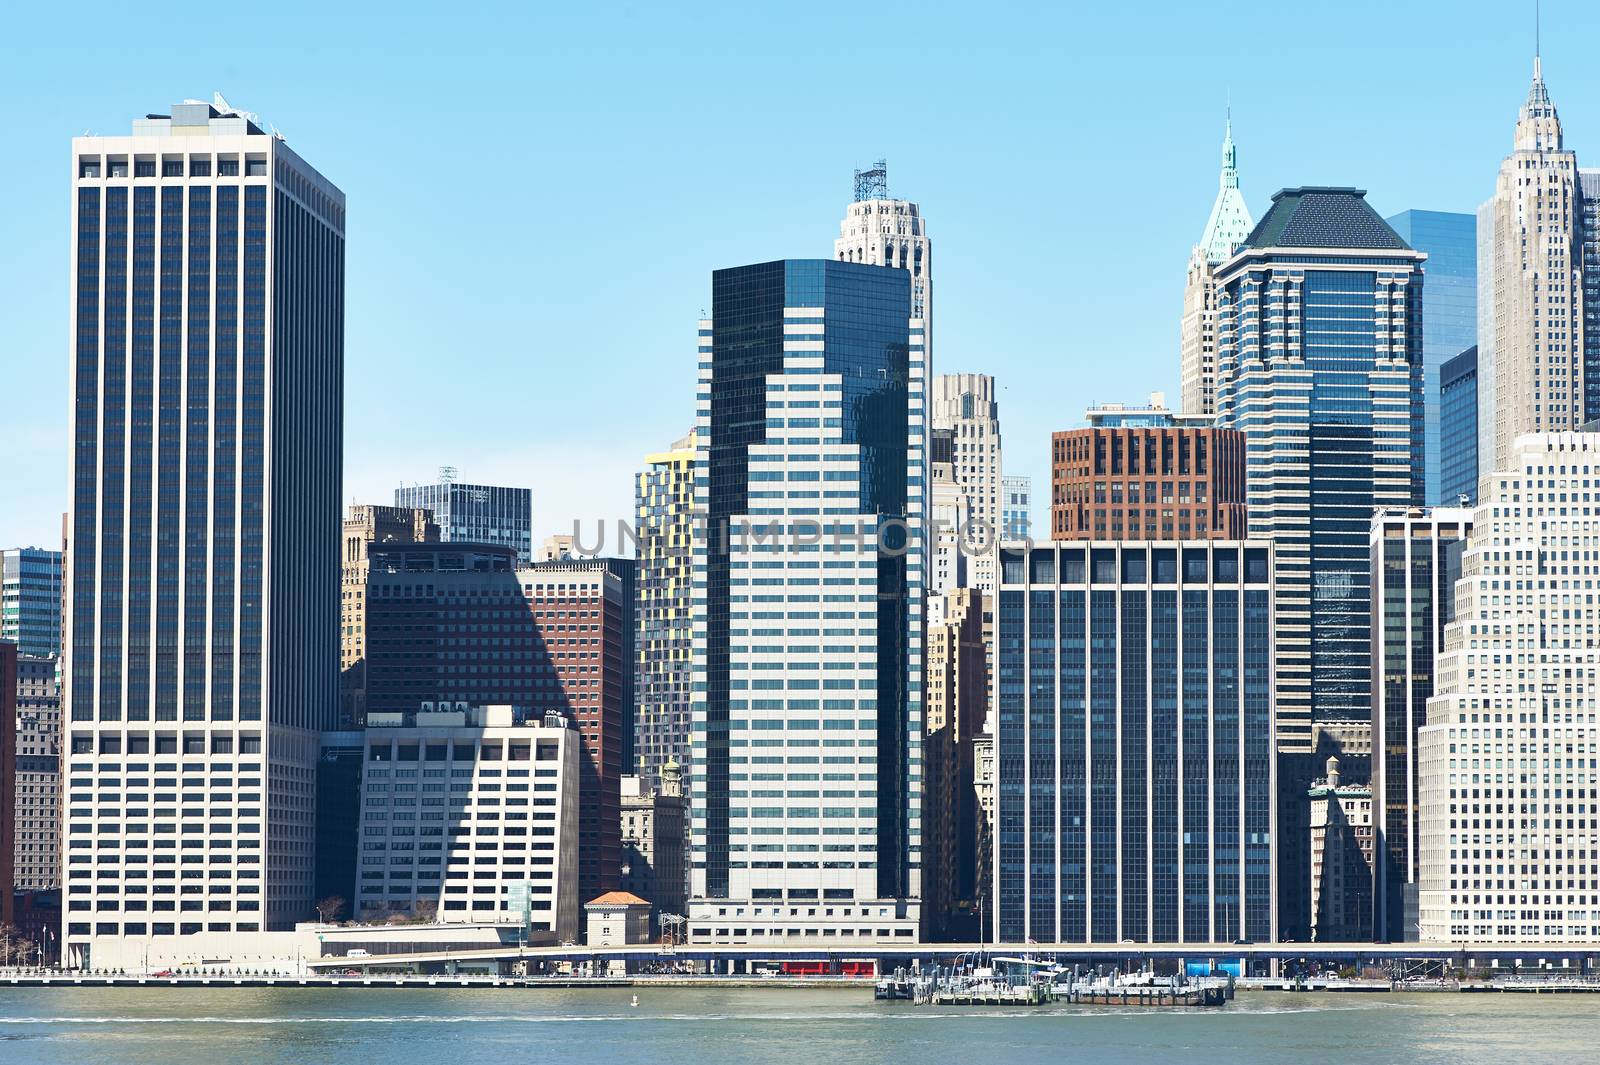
1536 982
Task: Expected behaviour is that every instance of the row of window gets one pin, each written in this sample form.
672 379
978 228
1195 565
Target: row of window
171 166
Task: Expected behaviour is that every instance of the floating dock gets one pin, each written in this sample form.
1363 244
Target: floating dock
1185 995
987 994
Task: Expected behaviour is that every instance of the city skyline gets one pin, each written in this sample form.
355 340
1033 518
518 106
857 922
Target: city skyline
781 207
1232 629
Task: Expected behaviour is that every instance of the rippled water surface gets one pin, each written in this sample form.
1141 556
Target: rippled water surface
375 1026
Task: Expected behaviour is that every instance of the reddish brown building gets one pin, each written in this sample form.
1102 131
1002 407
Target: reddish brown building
454 622
1161 482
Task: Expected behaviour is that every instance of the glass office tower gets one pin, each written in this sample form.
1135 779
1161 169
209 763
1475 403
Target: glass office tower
1450 316
808 584
1457 400
476 513
1589 206
1319 349
1416 561
208 367
1320 366
30 600
1136 773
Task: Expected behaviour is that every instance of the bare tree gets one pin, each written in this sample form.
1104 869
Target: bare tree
329 909
425 911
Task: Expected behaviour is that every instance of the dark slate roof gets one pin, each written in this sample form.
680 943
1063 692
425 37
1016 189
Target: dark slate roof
1318 217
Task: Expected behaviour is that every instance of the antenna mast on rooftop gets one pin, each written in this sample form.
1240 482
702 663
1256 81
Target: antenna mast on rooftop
873 184
225 108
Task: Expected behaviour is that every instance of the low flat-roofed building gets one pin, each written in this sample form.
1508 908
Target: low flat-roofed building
466 813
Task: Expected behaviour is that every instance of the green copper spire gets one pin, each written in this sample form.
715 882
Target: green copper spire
1230 220
1230 156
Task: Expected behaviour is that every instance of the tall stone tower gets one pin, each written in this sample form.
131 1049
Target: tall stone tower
1225 230
964 406
1531 365
881 231
1515 682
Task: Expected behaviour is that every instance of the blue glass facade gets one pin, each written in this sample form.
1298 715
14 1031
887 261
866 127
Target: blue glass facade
1319 348
476 513
1320 366
30 600
1416 562
1134 746
1450 316
863 327
1458 428
1589 214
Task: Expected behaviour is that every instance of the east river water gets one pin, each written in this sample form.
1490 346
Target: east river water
796 1026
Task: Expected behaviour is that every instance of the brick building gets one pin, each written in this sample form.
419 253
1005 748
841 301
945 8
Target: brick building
463 623
1146 474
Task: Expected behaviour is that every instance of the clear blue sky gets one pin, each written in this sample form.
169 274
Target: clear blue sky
538 193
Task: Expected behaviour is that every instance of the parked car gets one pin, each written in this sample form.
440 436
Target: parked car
358 953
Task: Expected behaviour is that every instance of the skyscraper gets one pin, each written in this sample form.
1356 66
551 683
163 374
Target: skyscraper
1537 364
965 407
1457 400
1589 192
1509 831
1319 364
881 231
664 527
1416 561
208 365
1450 317
1133 740
808 614
30 600
1225 230
475 513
